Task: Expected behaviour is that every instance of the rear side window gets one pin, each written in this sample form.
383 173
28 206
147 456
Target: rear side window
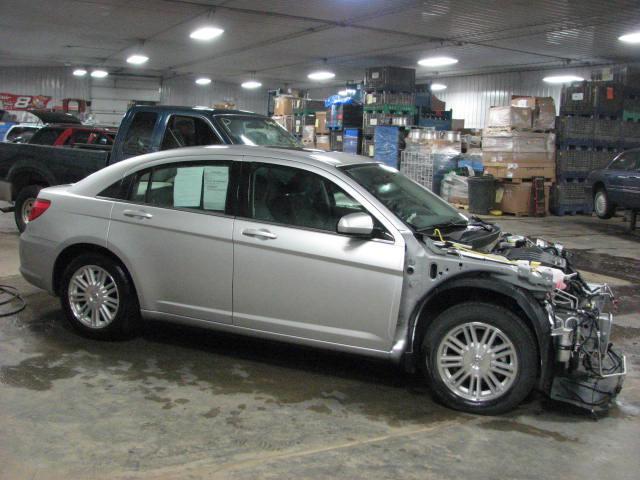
46 136
186 131
138 138
202 186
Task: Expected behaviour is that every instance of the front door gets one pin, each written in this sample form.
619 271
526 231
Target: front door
295 275
632 182
175 230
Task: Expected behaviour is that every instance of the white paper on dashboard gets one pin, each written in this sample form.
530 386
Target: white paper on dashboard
187 188
216 181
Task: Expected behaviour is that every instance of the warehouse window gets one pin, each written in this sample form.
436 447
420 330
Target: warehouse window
138 139
296 197
187 131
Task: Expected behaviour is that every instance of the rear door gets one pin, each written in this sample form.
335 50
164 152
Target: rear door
294 275
175 231
632 182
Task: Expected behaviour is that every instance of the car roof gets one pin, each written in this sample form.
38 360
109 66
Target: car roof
185 109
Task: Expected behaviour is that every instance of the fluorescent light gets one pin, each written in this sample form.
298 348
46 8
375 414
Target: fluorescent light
437 61
563 79
79 72
630 37
251 84
99 73
321 75
137 59
203 81
436 87
206 33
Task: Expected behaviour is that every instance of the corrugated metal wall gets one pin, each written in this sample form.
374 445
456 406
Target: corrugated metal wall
471 96
111 96
184 91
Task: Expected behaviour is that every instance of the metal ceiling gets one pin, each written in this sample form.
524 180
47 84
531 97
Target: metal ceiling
282 40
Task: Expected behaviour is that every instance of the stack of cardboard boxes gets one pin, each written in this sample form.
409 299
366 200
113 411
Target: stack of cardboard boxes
323 142
518 145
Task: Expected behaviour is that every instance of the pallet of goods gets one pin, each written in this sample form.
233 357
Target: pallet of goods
518 149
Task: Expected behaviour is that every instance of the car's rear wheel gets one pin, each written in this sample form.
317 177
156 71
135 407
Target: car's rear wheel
602 205
98 297
480 358
24 203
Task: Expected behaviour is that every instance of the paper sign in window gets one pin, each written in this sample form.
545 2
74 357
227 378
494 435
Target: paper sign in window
187 188
216 182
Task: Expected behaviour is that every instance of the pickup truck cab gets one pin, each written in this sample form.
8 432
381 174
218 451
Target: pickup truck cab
27 168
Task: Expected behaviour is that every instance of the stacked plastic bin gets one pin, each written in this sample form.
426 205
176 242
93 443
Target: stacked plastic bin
590 135
389 102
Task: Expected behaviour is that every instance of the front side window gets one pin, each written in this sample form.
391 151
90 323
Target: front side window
626 161
203 186
413 204
186 131
299 198
254 130
138 138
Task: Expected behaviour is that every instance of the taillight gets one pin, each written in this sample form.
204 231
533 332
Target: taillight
39 207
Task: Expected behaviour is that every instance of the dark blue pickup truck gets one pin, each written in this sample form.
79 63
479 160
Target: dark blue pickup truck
25 169
618 185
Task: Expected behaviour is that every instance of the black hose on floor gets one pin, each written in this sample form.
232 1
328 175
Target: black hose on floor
9 295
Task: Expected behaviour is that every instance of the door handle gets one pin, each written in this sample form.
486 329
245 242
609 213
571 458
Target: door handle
259 233
136 214
622 176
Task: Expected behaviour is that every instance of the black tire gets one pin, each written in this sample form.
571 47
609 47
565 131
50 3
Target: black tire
511 326
26 194
126 319
602 205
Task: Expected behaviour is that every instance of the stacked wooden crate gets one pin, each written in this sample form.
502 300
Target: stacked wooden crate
517 147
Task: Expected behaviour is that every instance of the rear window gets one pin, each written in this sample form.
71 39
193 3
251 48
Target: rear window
46 136
254 130
138 139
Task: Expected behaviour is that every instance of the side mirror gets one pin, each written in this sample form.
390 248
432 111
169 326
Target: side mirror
357 224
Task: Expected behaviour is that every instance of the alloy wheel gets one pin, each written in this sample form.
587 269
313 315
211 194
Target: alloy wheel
93 296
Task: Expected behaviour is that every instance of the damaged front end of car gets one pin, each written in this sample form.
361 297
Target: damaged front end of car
588 371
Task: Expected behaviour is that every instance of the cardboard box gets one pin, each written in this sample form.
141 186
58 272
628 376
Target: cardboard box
520 172
543 110
321 123
523 101
516 198
512 117
489 158
283 105
515 144
323 142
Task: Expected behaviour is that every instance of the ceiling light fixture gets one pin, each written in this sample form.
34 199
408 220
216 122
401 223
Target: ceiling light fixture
79 72
630 37
99 73
203 81
321 75
437 61
437 87
251 84
137 59
562 79
206 33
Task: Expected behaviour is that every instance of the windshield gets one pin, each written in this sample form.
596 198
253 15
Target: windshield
413 204
250 130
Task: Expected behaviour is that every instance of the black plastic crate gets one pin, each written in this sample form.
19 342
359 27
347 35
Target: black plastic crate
368 147
607 130
607 98
575 127
570 197
336 140
577 98
631 131
344 116
393 79
574 163
601 157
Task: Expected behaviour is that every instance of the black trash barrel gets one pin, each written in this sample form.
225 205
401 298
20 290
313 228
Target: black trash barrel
482 194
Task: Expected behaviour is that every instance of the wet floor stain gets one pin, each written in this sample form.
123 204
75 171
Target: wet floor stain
501 425
618 267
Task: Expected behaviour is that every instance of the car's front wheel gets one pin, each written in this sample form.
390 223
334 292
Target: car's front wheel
480 358
602 205
98 298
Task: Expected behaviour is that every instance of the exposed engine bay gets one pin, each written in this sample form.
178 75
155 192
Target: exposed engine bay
588 372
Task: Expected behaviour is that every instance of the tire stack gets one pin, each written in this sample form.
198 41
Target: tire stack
590 135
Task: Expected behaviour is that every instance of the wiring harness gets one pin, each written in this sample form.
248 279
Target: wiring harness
11 302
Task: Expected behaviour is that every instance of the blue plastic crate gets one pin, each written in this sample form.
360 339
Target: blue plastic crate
388 143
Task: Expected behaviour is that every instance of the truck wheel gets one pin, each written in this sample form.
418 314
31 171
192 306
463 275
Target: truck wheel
24 203
98 298
480 358
602 205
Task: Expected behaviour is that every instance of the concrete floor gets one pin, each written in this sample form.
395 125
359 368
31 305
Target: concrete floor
180 403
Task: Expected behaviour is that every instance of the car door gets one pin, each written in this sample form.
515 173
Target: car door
174 230
617 174
632 182
295 276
